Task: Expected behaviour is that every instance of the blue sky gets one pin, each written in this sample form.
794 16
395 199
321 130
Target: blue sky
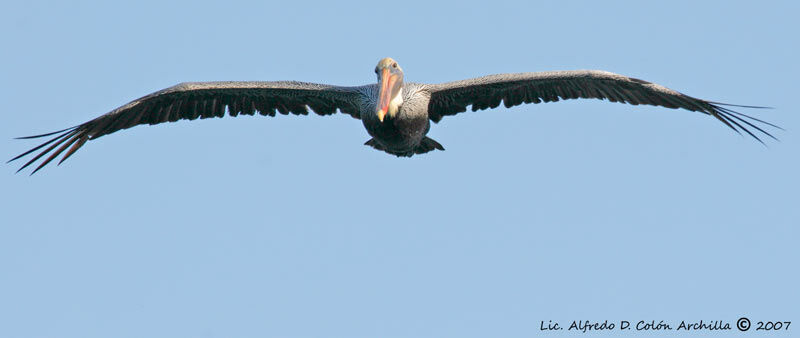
290 227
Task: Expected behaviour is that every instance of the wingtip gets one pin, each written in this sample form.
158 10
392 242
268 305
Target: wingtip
59 139
730 118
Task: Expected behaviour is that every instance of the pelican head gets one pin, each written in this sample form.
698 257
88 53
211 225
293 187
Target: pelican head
390 82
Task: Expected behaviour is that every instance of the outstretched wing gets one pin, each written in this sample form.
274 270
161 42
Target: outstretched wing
514 89
189 101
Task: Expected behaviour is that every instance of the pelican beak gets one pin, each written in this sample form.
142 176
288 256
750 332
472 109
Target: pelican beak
387 92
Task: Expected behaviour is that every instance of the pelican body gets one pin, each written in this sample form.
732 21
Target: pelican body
396 114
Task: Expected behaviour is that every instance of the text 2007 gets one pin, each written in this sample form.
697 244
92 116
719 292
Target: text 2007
767 326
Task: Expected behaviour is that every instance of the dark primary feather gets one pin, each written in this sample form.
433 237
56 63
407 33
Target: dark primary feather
189 101
514 89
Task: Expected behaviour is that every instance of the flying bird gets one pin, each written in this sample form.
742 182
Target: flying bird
396 114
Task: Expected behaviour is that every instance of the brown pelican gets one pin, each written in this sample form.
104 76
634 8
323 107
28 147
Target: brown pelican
396 114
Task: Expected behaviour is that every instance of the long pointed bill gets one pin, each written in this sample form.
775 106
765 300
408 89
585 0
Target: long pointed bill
385 95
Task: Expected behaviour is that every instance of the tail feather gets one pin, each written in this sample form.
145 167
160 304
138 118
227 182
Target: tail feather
427 144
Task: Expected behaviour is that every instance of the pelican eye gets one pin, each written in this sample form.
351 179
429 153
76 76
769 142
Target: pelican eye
376 70
394 65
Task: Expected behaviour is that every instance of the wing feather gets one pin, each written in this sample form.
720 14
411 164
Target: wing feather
514 89
189 101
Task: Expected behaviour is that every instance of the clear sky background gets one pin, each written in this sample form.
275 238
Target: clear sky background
290 227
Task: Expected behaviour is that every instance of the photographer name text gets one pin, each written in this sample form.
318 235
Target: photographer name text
742 324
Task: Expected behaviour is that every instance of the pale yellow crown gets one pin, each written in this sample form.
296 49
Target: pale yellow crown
387 63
